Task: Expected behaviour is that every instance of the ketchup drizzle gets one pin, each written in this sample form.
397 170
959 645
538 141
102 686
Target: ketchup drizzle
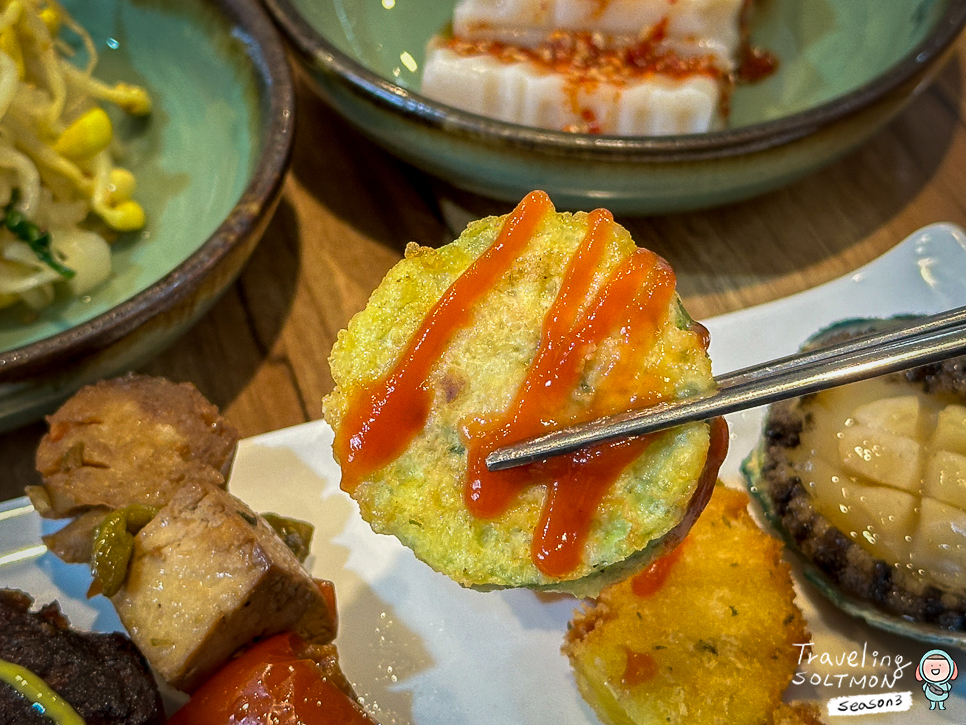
383 418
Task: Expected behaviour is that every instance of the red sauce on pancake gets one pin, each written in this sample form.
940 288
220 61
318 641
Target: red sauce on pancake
382 419
631 303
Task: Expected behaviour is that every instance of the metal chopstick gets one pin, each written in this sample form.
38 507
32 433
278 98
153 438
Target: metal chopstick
922 340
914 327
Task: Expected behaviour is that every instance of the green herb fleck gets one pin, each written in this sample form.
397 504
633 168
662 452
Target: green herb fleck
707 647
252 521
36 238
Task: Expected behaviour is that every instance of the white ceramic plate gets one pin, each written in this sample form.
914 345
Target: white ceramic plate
422 650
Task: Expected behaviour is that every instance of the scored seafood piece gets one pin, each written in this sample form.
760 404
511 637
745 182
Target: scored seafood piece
868 482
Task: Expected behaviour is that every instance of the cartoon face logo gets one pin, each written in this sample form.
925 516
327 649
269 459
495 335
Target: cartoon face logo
936 669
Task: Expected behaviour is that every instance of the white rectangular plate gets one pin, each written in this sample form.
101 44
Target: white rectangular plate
420 649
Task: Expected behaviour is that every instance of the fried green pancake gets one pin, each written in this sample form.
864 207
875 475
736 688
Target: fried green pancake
420 496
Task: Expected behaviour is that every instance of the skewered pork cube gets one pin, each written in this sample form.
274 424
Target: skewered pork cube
129 440
206 577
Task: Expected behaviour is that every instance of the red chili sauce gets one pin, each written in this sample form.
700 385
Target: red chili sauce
588 59
383 418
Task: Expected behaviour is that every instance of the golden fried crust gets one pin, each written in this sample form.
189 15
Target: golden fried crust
797 713
713 643
419 497
133 439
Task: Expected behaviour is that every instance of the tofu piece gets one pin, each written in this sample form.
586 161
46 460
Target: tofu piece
693 26
522 93
207 576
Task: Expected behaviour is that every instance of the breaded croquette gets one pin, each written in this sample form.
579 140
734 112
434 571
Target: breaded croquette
525 323
706 634
133 439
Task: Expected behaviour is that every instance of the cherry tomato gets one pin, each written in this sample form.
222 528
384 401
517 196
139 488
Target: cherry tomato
271 684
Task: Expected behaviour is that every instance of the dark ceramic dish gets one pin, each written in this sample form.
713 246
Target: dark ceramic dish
846 68
210 164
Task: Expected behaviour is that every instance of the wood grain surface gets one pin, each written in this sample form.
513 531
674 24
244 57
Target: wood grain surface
349 209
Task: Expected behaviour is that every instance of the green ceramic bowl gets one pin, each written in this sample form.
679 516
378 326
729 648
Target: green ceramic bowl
846 67
209 163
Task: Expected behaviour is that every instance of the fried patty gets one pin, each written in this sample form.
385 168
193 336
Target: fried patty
836 557
102 676
419 496
133 439
707 634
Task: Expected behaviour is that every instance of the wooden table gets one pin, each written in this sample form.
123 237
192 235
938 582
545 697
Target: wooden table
349 209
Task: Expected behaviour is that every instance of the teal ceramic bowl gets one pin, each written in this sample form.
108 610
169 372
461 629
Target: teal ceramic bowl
209 161
846 68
